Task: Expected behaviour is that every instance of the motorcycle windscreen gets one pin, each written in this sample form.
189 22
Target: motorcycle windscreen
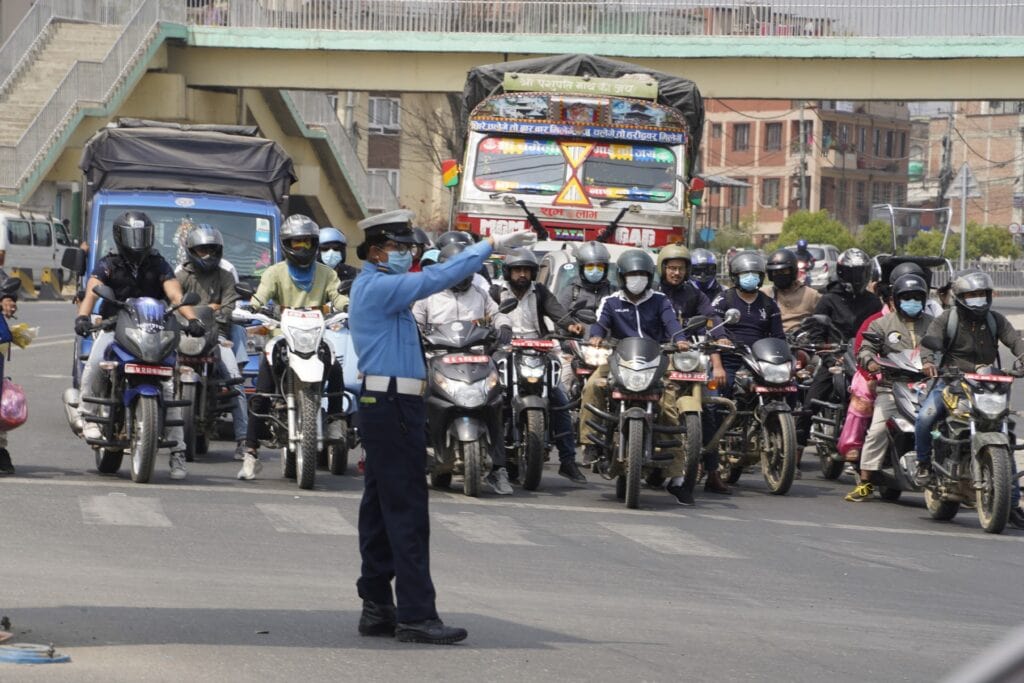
457 335
771 350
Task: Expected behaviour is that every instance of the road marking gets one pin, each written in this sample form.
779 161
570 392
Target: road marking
56 342
723 518
485 528
307 519
668 541
121 510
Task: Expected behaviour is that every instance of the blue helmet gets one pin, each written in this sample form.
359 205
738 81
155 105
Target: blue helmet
801 244
329 235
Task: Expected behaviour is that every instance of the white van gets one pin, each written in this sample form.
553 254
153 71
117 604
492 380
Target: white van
31 241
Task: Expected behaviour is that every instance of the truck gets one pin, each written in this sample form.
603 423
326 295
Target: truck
580 148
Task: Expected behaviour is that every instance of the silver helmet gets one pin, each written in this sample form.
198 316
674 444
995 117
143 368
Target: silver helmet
298 226
204 235
593 252
969 281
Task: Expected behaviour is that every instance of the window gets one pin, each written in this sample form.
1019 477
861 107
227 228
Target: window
533 166
861 196
903 145
626 171
738 195
716 130
770 191
890 143
384 115
877 142
862 139
19 232
41 235
842 191
877 193
741 137
63 239
773 137
383 184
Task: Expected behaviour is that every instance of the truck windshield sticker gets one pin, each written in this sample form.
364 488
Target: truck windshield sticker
665 137
519 165
263 230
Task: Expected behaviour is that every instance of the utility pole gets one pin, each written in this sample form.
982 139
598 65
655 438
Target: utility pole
963 215
803 160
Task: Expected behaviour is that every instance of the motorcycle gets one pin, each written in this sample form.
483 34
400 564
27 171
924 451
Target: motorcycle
205 394
764 430
132 409
299 360
334 457
464 403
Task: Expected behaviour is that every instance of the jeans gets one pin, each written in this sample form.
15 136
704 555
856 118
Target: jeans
932 410
228 367
561 425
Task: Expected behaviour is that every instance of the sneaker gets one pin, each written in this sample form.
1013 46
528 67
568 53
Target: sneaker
6 466
682 496
861 492
498 480
923 473
91 430
570 471
240 451
178 470
1017 518
251 465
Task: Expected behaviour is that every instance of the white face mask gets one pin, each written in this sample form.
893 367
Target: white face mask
636 284
976 302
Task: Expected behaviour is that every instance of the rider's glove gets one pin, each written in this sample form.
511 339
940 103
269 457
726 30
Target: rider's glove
514 240
505 335
196 328
83 326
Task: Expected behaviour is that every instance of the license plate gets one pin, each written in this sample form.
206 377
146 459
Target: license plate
635 397
543 344
789 389
687 376
584 371
987 378
158 370
465 359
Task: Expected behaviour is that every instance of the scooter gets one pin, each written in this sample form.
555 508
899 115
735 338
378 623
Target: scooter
909 389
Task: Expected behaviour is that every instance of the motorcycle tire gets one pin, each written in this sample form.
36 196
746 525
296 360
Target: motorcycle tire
620 487
693 443
830 467
941 510
889 494
202 444
634 463
308 410
532 451
144 438
731 475
108 461
655 479
993 501
778 459
471 462
337 457
187 392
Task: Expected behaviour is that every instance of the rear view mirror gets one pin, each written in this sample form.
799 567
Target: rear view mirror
10 287
74 260
244 290
695 322
508 305
190 299
732 316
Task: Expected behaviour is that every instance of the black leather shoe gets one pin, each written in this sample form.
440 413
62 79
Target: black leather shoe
683 495
571 471
377 619
6 466
431 631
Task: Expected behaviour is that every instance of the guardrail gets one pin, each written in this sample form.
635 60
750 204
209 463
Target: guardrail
788 18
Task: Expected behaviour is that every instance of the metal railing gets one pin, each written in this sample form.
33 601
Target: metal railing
87 83
317 110
767 19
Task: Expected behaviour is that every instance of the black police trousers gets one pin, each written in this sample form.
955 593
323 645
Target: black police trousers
394 528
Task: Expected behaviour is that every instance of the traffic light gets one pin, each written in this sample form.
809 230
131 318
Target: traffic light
696 192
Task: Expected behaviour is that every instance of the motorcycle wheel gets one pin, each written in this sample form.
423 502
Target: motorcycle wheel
634 463
287 463
144 438
107 461
306 454
830 467
693 442
202 444
471 459
531 452
942 510
655 479
889 493
994 499
620 487
337 457
778 460
187 392
731 475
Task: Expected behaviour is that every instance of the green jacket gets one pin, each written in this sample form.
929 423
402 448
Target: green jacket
276 285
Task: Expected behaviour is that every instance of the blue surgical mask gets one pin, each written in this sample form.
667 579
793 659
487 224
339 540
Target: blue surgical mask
749 281
399 261
911 307
593 274
331 257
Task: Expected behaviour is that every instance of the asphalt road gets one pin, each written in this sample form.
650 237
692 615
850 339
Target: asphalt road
213 579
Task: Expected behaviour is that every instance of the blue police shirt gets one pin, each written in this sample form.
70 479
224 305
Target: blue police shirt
383 330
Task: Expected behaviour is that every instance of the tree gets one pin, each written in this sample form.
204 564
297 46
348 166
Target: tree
988 240
928 243
876 238
817 227
740 236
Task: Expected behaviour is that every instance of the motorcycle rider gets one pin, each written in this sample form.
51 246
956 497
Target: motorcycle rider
590 283
8 307
133 269
421 244
333 245
795 299
704 273
297 282
202 274
464 302
899 330
968 335
806 258
637 310
932 306
528 322
482 278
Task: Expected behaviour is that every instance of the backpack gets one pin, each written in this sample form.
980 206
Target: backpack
953 326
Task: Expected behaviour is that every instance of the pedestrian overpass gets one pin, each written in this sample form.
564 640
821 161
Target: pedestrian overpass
71 66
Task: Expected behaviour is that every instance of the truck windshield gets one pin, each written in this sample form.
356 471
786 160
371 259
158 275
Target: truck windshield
636 172
246 237
527 166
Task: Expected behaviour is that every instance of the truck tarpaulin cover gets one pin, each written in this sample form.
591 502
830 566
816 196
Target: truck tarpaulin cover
679 93
149 155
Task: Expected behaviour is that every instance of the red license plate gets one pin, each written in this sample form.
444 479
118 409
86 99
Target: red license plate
158 370
687 376
542 344
465 359
584 371
635 397
987 378
789 389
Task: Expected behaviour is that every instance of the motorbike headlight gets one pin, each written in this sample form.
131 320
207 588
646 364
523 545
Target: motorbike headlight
531 372
594 355
466 394
687 361
636 380
191 346
303 341
776 373
990 405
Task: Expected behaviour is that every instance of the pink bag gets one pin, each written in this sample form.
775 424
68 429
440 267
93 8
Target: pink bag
858 416
13 406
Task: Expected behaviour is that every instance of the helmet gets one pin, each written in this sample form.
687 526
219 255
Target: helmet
204 235
972 281
907 268
593 252
801 245
333 236
420 237
429 257
133 235
747 262
905 285
703 267
447 253
782 268
854 268
519 258
298 226
634 261
672 252
454 236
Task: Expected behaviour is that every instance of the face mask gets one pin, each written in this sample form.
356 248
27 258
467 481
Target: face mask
784 280
911 307
332 257
399 262
636 284
976 302
749 281
593 273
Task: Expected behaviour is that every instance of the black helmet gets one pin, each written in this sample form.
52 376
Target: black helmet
204 235
298 226
906 285
421 238
634 261
453 236
782 268
133 235
973 281
747 262
519 258
448 252
854 268
907 268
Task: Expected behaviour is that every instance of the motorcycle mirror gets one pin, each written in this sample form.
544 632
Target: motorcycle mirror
74 260
696 322
345 287
508 305
10 286
104 292
585 315
732 316
244 290
190 299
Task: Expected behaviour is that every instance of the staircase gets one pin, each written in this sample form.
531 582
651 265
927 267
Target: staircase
62 44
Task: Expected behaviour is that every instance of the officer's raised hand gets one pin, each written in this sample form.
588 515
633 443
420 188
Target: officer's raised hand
513 240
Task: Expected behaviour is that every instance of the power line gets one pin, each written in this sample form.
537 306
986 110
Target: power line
982 156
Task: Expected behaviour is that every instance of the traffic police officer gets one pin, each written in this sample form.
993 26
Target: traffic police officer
394 531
